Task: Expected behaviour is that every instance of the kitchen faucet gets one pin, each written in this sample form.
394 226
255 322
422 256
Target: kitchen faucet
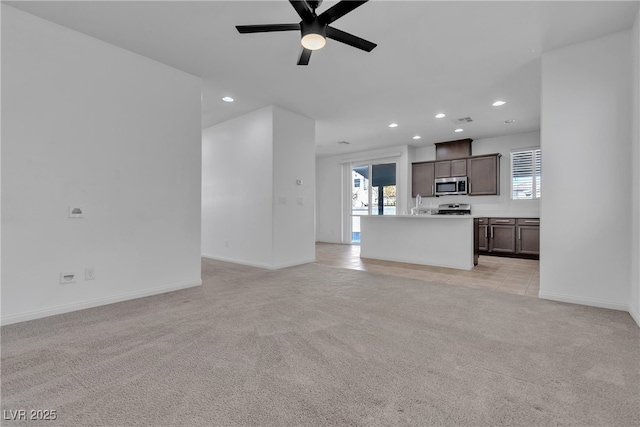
416 210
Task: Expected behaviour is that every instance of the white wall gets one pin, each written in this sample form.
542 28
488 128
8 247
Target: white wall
492 205
329 203
250 209
86 123
237 188
586 152
634 305
333 204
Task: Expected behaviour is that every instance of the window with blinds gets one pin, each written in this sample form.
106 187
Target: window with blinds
525 174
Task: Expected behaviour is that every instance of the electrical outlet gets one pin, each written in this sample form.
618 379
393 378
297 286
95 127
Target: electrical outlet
89 273
67 278
75 212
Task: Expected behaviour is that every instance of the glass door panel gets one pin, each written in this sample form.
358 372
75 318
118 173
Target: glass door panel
383 182
359 199
373 192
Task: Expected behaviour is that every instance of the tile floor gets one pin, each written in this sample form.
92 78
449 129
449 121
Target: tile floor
512 275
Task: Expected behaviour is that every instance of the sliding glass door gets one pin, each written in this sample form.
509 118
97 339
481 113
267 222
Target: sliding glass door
373 192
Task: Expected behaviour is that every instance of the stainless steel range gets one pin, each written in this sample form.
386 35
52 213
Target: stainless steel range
454 209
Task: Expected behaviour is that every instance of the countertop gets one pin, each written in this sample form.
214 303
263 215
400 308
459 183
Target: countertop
424 216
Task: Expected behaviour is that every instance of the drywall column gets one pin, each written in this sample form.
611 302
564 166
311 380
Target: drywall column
586 147
634 305
294 188
258 189
87 124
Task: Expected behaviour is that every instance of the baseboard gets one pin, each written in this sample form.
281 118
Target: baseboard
293 264
583 301
237 261
258 264
634 314
404 261
38 314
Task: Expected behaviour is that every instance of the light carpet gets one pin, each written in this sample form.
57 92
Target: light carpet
316 346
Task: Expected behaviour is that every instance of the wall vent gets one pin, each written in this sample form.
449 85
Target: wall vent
343 142
462 120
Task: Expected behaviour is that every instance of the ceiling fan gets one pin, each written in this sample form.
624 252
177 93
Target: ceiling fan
315 28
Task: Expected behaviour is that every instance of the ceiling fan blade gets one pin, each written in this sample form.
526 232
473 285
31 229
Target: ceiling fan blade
339 10
266 28
303 9
305 54
350 39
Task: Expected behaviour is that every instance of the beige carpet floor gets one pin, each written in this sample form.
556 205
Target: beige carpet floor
315 346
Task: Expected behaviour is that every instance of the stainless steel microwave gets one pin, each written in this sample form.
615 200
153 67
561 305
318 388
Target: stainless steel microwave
453 185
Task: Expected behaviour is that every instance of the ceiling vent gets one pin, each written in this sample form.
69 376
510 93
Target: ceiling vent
462 120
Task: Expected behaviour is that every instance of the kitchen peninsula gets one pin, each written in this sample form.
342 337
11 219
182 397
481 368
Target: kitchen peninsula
436 240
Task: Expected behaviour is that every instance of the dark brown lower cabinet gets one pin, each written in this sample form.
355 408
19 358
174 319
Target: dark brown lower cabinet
482 234
528 238
502 232
509 237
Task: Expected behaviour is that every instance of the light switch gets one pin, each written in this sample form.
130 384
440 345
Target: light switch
300 201
282 200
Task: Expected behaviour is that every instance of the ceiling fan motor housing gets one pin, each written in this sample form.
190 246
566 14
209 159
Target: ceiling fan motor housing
313 27
314 4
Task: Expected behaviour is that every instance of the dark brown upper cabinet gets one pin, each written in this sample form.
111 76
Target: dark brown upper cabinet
483 173
422 179
457 149
449 168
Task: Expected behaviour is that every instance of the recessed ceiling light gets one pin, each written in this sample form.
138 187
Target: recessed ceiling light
416 137
509 121
393 125
440 115
499 103
458 130
227 99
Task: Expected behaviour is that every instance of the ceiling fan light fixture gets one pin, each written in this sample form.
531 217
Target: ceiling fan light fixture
313 41
313 34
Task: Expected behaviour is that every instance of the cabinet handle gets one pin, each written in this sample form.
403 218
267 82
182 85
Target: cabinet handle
469 187
502 220
485 231
529 221
519 233
432 190
491 232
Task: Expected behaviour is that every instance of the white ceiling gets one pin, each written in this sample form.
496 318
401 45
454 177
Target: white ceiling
452 57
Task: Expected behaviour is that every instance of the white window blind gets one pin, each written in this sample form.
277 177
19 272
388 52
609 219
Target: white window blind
525 174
